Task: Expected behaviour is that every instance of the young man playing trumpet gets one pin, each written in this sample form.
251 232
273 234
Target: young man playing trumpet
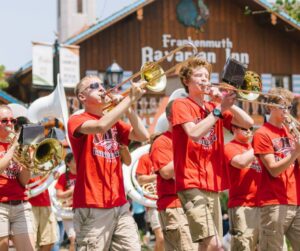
102 219
279 155
15 210
198 146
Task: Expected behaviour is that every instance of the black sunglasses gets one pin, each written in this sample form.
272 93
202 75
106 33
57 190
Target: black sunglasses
243 129
6 121
93 86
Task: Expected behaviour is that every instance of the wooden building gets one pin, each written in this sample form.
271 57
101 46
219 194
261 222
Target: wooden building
268 43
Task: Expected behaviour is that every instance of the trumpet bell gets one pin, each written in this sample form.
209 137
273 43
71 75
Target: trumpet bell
152 71
252 82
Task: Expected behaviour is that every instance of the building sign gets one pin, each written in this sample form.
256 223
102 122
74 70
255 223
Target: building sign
69 65
205 50
42 64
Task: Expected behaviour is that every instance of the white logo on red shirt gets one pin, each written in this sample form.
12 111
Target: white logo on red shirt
282 147
207 140
256 166
106 145
12 171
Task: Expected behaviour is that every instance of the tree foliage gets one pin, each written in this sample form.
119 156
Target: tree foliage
291 7
3 83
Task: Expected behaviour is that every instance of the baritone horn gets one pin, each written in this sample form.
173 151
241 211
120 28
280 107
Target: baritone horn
152 74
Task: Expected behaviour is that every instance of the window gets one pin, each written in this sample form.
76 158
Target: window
79 6
281 81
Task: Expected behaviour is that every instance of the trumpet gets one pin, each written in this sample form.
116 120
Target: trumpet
152 74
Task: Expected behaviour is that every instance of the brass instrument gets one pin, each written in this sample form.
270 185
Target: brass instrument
249 91
149 189
153 74
42 157
293 125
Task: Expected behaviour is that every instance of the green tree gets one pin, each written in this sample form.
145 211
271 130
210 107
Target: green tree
291 7
3 83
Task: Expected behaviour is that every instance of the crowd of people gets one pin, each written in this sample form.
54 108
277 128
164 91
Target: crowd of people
189 163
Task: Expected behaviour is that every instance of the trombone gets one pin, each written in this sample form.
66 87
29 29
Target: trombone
153 74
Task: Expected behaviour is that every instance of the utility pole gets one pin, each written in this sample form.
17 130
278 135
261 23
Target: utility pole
55 62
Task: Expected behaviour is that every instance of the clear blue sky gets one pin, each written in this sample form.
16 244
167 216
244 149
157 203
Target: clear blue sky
24 21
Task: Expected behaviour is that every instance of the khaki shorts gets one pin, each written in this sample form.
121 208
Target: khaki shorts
106 229
277 221
203 212
15 220
244 228
69 228
176 230
45 226
153 218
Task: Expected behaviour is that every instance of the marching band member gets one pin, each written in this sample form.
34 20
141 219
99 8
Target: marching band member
244 179
64 192
173 221
44 221
102 219
15 210
198 146
279 195
145 174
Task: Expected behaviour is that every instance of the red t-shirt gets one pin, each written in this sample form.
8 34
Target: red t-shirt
41 200
10 187
198 164
243 183
99 181
145 166
280 190
162 154
65 183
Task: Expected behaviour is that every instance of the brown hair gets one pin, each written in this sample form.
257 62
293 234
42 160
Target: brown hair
187 68
278 94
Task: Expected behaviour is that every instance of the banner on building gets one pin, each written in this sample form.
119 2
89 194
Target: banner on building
69 65
42 64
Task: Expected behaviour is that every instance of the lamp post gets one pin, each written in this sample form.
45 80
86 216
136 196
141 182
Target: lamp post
114 74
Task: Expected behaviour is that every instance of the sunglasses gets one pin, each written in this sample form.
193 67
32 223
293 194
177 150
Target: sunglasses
286 107
6 121
93 86
244 129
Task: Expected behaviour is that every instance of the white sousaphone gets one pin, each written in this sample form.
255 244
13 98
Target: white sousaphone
132 187
53 105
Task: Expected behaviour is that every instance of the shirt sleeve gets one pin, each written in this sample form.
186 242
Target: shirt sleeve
144 165
262 144
161 154
227 120
74 122
180 114
123 132
60 184
230 152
